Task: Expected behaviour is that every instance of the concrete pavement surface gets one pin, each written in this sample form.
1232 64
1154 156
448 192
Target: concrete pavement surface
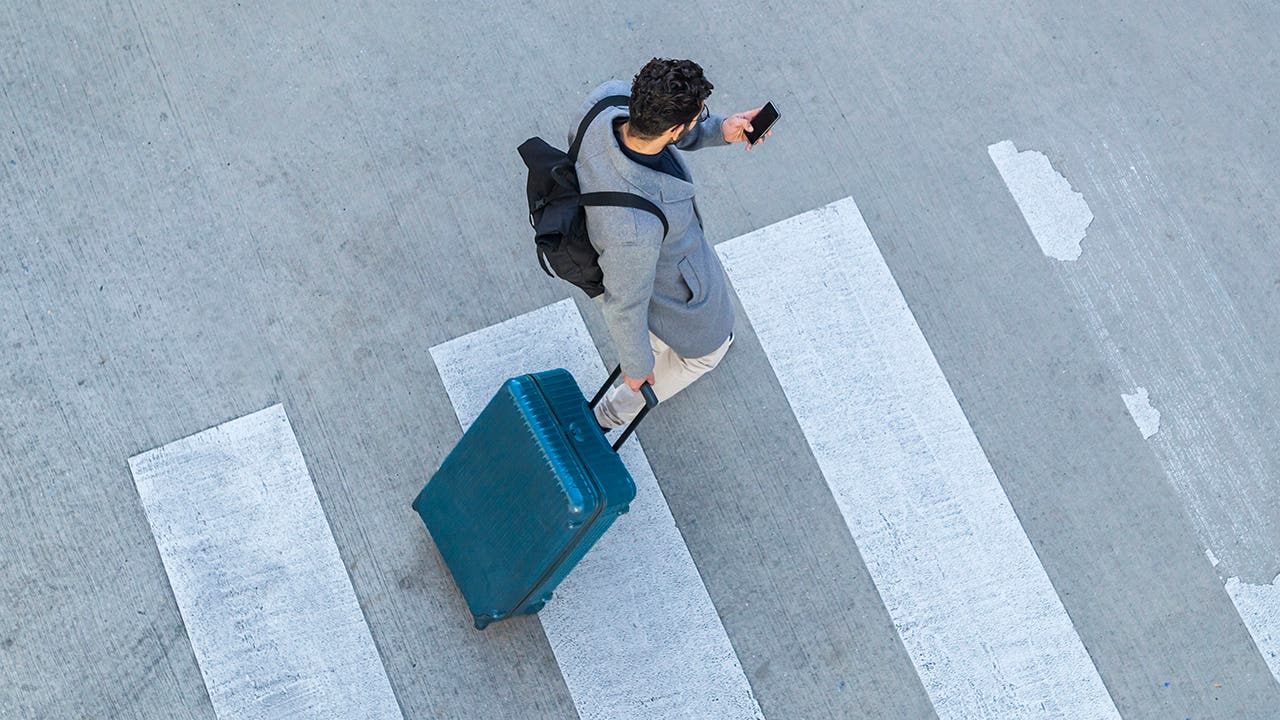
208 209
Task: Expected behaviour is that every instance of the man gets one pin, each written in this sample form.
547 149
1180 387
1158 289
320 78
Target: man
666 300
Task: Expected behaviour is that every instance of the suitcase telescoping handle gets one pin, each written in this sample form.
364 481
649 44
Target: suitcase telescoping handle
650 402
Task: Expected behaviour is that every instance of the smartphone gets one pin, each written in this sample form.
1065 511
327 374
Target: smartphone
761 123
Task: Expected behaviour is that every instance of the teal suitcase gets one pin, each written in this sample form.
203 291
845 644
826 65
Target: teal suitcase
529 488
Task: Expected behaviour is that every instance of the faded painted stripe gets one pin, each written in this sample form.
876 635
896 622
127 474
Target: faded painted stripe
1057 215
632 627
966 591
268 606
1163 317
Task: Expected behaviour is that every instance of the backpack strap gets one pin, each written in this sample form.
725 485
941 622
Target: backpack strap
611 101
621 199
614 199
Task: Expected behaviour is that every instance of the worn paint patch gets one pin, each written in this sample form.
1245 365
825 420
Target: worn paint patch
1140 409
1212 558
1057 215
264 594
976 611
632 627
1259 607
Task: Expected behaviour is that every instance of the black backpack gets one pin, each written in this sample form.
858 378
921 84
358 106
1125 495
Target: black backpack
556 207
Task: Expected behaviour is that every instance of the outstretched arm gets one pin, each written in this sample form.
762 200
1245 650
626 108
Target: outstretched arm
718 131
707 133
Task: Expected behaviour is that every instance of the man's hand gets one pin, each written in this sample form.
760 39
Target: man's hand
735 127
635 384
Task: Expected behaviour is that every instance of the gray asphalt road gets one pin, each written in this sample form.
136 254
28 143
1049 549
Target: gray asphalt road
207 209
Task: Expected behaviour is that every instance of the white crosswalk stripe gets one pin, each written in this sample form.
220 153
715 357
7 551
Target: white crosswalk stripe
266 600
966 591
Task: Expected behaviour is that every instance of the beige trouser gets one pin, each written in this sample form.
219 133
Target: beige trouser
671 374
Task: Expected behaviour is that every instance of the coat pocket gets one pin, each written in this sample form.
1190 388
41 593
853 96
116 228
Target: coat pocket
691 279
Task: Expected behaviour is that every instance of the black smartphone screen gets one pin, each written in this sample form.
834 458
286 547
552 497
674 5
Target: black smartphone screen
761 123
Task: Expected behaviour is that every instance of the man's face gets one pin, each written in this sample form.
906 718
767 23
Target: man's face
702 115
687 129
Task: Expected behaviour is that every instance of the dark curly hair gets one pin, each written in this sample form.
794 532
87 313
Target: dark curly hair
666 93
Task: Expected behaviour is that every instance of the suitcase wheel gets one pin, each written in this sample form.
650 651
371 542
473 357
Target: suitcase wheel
482 621
530 610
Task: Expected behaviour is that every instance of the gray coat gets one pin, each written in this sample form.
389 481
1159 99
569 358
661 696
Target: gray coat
674 287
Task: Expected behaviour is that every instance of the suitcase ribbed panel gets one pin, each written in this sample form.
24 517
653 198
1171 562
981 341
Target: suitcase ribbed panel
507 506
593 449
